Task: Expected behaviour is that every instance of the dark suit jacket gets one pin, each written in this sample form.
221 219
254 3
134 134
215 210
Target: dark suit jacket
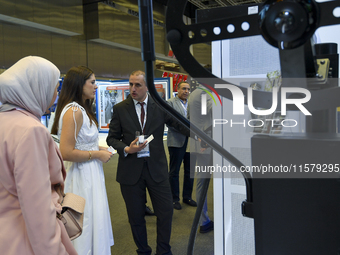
122 129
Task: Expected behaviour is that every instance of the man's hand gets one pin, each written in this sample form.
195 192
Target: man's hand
133 148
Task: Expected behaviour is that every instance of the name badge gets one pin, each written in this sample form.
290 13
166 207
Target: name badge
146 151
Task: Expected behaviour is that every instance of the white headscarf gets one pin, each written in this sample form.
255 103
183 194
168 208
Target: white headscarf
29 84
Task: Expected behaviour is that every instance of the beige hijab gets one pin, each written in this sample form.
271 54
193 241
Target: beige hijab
29 84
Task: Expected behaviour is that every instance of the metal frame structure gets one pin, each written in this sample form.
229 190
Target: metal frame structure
288 25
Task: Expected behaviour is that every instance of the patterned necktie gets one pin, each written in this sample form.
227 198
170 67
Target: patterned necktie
142 115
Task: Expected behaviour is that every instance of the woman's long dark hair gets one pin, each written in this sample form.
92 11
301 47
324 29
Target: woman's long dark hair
72 91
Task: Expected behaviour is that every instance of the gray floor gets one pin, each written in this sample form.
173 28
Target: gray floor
181 226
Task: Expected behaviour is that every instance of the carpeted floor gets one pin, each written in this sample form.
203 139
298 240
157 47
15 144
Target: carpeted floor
181 224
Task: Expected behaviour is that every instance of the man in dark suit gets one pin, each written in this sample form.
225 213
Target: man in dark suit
177 146
142 165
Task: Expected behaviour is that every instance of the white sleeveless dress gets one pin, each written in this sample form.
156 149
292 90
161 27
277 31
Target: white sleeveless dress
86 179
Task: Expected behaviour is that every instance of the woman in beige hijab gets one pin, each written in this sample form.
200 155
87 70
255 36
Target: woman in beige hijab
30 163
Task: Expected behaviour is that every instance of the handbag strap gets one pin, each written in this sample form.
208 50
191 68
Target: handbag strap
60 191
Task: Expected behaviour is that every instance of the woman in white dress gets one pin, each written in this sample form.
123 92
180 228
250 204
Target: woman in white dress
77 127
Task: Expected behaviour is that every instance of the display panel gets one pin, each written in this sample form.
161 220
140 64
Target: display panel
110 93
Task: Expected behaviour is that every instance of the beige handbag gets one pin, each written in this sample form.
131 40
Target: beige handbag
72 214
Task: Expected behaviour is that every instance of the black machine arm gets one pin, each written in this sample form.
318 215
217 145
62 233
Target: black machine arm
258 22
148 56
